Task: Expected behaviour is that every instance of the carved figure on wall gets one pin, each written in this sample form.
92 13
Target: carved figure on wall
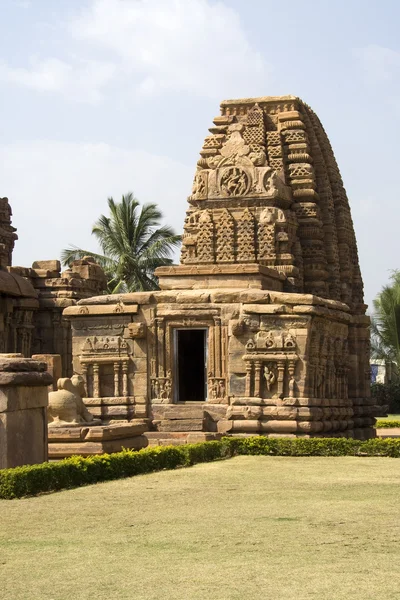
290 341
66 406
269 376
217 387
161 388
234 182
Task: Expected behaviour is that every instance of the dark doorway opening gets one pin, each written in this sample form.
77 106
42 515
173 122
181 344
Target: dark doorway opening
191 364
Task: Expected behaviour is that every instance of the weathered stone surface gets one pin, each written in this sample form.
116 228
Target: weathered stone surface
63 450
269 271
54 366
181 425
23 423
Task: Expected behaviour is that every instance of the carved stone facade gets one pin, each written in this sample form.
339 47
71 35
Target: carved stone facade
269 169
55 290
262 327
32 299
276 363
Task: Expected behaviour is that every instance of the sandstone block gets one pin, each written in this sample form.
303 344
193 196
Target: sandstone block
181 425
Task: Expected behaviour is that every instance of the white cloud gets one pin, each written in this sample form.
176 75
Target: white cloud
190 46
184 45
57 191
379 64
82 81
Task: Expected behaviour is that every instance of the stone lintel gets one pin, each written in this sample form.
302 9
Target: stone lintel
260 100
266 309
220 269
113 309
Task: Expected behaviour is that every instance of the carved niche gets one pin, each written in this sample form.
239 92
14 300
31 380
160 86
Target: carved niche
105 365
270 361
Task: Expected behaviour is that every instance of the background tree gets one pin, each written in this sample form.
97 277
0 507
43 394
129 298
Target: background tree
133 245
385 323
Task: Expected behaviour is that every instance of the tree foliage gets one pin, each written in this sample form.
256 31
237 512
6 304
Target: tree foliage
133 245
385 323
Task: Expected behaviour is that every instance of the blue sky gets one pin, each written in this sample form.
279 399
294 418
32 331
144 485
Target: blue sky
100 97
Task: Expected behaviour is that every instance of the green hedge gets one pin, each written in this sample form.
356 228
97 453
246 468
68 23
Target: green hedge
382 423
77 471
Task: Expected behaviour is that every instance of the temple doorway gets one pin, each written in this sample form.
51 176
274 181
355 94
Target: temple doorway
190 349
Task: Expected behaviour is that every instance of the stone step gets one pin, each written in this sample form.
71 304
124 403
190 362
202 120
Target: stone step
180 425
178 411
159 438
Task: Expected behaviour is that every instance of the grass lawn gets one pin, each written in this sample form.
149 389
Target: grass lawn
246 528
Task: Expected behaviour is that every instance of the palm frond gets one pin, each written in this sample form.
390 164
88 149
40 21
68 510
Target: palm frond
133 243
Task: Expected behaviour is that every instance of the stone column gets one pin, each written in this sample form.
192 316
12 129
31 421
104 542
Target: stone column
281 376
23 411
116 379
160 345
96 387
217 348
257 379
125 386
84 367
249 369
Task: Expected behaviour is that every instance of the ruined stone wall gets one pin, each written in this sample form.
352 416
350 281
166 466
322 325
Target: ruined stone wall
56 290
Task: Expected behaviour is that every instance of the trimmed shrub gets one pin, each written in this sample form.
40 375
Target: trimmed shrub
77 471
385 423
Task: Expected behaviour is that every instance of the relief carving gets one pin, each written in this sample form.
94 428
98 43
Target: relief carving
234 181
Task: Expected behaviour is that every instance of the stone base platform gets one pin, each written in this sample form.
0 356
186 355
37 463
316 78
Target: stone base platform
388 432
162 438
71 440
192 277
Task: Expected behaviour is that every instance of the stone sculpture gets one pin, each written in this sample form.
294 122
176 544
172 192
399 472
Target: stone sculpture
66 406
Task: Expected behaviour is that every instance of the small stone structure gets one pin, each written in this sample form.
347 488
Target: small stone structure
23 406
32 299
262 327
55 290
74 430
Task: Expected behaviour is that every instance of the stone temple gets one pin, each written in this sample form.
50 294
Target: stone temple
261 329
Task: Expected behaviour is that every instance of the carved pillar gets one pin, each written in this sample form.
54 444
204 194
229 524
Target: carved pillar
257 379
217 348
116 379
291 369
125 378
249 369
281 376
96 387
84 369
161 346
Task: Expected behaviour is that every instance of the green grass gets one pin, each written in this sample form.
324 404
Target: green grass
252 527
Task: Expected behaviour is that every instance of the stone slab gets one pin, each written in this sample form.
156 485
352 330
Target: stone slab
112 309
181 425
62 450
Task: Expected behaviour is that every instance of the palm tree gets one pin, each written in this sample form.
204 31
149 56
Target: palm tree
385 323
133 245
